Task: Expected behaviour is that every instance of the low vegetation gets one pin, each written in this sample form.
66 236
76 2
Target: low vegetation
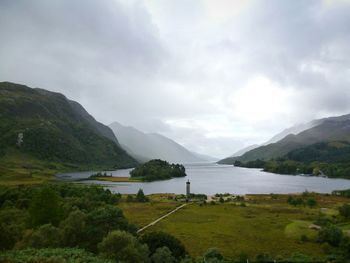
80 223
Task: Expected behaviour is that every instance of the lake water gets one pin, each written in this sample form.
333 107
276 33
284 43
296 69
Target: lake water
215 178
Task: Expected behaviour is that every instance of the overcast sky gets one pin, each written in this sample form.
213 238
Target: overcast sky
214 75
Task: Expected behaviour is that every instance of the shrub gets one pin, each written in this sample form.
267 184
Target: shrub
213 253
129 198
101 221
122 246
163 255
156 240
331 234
46 236
51 255
344 210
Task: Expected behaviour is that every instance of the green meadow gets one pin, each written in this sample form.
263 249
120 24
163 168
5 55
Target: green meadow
263 225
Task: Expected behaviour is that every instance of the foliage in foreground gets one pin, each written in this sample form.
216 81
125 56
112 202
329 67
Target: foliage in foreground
51 255
87 226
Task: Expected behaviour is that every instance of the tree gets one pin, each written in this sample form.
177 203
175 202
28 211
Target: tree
311 202
163 255
101 221
45 207
140 196
73 229
45 236
122 246
156 240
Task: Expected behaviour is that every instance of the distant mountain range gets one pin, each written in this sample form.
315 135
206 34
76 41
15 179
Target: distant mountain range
46 126
320 130
146 146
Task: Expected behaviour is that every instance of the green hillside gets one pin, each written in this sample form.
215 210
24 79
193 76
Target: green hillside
45 128
332 129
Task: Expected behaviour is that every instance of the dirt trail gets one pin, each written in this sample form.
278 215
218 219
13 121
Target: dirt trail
160 218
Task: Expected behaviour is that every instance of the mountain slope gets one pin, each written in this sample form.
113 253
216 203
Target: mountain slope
301 135
47 126
244 150
329 130
294 130
147 146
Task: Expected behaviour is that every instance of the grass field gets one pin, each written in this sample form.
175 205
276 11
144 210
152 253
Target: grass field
17 168
114 179
264 225
142 214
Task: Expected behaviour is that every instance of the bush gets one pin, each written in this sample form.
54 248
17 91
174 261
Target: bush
46 236
101 221
156 240
122 246
213 253
129 198
163 255
331 234
344 211
51 255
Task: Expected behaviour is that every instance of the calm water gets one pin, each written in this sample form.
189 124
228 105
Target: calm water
215 178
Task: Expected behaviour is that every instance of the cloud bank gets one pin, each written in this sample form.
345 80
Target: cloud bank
213 75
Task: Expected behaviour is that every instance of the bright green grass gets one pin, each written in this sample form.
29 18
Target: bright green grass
329 211
142 214
300 227
17 168
344 226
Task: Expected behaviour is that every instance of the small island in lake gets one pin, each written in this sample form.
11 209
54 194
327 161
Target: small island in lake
158 170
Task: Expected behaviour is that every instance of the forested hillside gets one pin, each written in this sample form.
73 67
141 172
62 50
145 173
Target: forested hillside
46 126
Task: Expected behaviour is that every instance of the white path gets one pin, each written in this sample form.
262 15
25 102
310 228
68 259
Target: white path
156 221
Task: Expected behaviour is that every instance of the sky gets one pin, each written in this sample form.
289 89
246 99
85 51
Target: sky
214 75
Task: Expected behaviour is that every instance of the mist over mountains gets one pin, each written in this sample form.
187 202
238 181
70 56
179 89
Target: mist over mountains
146 146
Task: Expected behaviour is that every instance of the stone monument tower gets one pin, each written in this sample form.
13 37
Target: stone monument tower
188 190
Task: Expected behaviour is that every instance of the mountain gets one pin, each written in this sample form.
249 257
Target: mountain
46 127
326 129
294 130
146 146
244 150
331 129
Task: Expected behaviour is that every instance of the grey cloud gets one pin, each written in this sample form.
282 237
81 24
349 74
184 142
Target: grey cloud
125 63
